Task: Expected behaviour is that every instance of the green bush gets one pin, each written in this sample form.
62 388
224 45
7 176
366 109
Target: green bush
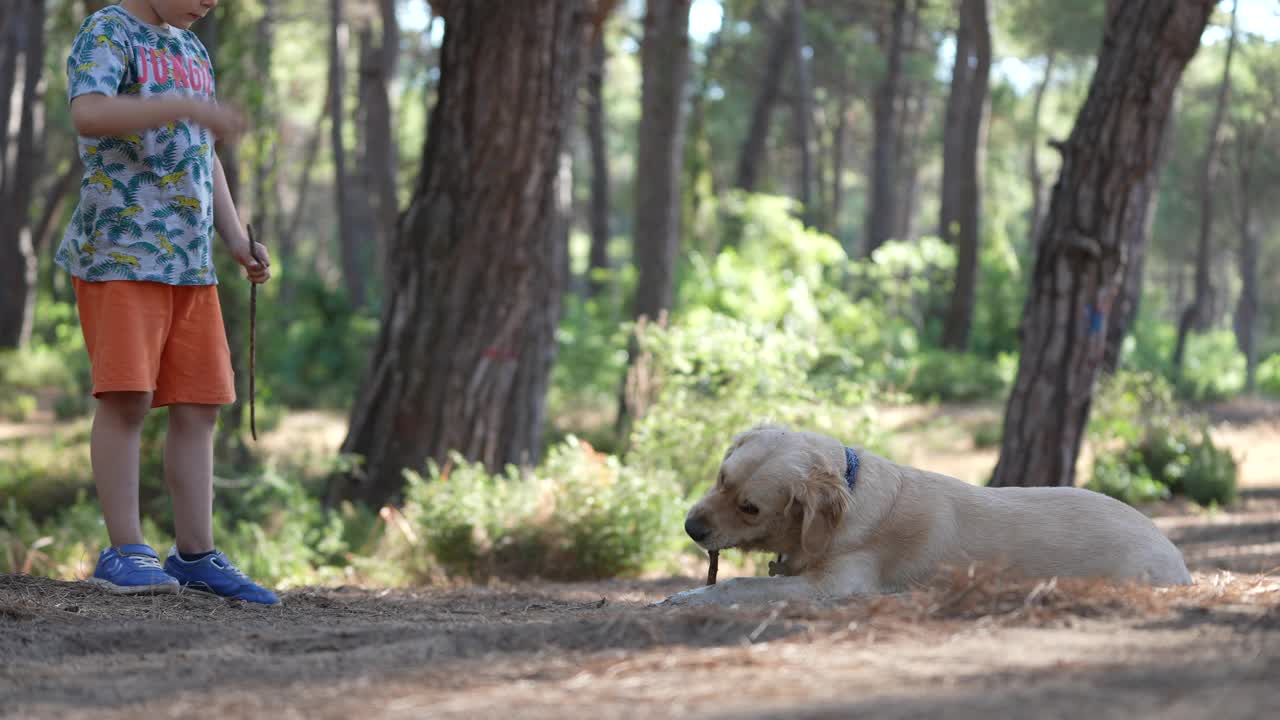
1213 368
315 354
1165 455
716 376
1269 375
1127 405
941 376
1125 478
579 515
1136 422
273 528
1210 476
988 435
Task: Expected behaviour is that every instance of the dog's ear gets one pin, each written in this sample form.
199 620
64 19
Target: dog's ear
823 501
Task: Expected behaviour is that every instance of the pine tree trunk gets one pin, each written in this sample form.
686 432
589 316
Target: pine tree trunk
1033 150
1081 258
882 205
753 146
961 195
1137 228
839 142
377 68
802 107
351 249
664 59
467 341
598 258
289 235
1246 314
1198 315
21 156
912 111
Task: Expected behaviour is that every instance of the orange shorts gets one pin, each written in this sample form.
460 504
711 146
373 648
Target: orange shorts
151 337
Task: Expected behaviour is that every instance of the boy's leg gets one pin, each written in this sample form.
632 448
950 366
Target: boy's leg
188 472
113 451
195 380
124 325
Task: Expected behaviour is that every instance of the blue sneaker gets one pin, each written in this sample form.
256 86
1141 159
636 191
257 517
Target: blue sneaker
215 574
131 570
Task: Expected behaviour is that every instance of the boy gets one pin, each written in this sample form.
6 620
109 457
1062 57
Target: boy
138 248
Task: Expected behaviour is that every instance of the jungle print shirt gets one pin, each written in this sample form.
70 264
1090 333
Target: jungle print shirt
146 200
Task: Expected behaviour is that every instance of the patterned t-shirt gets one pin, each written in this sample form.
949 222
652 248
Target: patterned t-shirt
146 200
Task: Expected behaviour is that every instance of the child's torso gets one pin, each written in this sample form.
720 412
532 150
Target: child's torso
146 199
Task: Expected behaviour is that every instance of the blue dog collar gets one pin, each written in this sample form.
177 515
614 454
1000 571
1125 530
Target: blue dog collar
851 466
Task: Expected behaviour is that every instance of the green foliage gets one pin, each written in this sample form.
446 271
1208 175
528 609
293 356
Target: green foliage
580 515
314 355
274 528
1269 375
1144 442
1124 479
941 376
988 435
1213 367
717 376
1210 476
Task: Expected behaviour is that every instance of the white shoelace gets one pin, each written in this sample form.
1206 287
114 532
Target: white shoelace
144 561
222 562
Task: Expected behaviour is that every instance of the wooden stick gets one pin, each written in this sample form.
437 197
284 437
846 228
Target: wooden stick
713 567
253 334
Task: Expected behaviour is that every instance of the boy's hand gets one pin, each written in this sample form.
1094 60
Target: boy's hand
224 122
258 272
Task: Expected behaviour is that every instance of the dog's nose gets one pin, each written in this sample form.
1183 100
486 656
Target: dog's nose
696 528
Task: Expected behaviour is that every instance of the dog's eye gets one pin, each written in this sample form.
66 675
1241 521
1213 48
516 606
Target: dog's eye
749 509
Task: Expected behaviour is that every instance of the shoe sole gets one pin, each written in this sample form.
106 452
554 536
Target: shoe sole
157 589
227 598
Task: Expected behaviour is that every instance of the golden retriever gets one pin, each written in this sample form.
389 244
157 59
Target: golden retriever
888 527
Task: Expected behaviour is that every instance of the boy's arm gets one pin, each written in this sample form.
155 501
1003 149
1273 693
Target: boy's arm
227 222
96 115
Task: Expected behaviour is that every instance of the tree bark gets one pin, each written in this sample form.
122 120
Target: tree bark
802 108
1198 314
1084 247
1033 149
882 205
1247 304
839 142
289 237
912 110
377 68
467 338
350 248
21 156
961 195
1137 231
598 258
753 146
664 59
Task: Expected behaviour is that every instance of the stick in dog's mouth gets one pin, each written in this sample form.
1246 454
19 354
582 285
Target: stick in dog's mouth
713 566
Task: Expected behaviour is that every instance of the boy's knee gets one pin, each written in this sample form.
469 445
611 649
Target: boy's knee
128 408
188 416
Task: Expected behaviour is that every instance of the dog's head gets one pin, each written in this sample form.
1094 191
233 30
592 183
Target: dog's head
777 490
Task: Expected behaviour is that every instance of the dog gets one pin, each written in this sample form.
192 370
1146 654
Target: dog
846 522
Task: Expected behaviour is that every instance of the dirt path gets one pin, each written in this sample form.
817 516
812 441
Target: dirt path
558 651
598 650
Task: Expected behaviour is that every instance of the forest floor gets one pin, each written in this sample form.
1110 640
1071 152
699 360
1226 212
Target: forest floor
969 647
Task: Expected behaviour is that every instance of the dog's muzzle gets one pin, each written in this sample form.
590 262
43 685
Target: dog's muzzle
696 528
